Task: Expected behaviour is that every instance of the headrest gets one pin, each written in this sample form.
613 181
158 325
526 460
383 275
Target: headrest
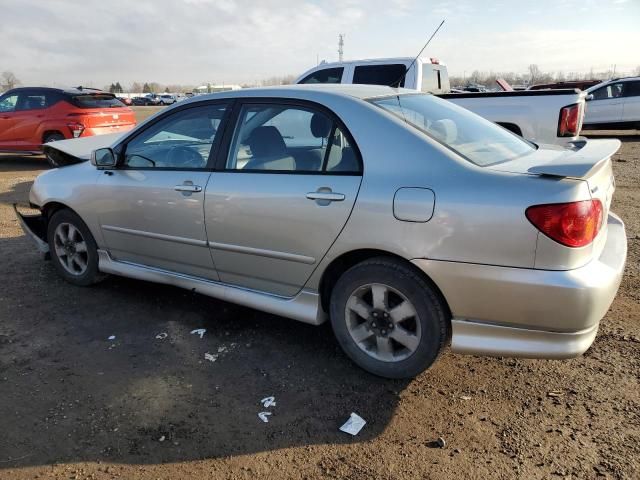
320 126
444 130
266 141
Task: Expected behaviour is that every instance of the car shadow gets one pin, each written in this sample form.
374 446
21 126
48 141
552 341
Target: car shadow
16 163
113 373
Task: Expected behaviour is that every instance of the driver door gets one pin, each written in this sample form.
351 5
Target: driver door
152 205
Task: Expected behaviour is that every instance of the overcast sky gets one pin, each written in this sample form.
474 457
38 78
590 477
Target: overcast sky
65 42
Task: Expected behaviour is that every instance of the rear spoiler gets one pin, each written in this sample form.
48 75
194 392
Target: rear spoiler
589 155
579 164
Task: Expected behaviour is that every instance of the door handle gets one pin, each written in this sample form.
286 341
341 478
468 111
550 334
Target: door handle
326 196
187 188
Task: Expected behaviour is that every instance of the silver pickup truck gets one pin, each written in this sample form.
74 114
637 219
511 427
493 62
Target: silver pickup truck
541 116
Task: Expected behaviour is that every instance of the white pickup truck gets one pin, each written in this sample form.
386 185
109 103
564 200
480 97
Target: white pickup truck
541 116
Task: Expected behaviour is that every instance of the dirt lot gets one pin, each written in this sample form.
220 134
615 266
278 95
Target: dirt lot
74 404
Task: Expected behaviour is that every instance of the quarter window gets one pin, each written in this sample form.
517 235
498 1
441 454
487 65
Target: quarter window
390 75
183 140
326 75
287 138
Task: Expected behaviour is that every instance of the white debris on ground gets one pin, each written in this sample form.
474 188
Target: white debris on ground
353 425
212 357
199 331
268 402
112 337
162 336
264 416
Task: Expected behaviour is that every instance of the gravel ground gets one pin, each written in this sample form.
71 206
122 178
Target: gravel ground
75 404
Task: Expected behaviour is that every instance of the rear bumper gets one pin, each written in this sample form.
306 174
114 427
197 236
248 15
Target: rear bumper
91 131
530 313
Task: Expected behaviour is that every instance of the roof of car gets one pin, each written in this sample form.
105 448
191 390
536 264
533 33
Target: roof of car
70 91
362 92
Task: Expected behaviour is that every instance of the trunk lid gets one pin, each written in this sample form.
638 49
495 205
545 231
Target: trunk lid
105 117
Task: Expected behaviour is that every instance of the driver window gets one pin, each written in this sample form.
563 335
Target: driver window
613 90
182 140
8 104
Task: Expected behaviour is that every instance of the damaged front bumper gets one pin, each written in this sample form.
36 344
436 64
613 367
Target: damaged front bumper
35 227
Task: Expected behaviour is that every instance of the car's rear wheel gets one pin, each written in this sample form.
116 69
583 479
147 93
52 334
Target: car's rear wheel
74 252
388 319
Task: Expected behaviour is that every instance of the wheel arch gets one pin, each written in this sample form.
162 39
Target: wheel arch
50 131
344 262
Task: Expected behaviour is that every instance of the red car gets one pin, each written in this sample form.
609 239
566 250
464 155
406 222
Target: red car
31 117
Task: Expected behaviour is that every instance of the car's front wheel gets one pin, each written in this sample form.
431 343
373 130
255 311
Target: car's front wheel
388 319
74 252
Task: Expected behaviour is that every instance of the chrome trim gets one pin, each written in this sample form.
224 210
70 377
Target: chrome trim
326 196
43 247
157 236
291 257
477 338
305 306
187 188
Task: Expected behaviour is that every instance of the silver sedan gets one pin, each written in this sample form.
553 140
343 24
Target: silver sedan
405 220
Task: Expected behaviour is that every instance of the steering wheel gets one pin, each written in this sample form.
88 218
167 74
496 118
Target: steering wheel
181 156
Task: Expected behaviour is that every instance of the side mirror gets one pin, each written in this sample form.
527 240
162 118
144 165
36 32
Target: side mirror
103 158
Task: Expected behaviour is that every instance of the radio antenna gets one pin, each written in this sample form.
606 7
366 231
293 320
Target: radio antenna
397 83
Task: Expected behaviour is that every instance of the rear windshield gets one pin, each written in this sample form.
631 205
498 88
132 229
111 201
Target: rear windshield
471 136
96 100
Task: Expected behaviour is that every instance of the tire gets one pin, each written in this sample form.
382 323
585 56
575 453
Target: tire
52 137
426 331
77 259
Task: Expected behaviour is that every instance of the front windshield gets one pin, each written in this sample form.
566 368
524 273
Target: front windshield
471 136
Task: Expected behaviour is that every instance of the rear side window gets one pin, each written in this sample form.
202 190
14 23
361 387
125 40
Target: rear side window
32 101
632 89
95 100
469 135
290 139
327 75
390 75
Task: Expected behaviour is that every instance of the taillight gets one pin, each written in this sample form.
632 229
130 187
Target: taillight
569 121
573 224
76 129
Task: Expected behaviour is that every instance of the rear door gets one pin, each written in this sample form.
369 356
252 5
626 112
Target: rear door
282 194
151 208
606 105
631 107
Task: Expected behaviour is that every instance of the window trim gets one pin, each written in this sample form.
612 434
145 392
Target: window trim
120 148
223 151
402 77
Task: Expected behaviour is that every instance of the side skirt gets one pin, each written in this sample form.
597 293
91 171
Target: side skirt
304 307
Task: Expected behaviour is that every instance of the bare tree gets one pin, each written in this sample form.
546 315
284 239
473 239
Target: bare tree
9 81
534 73
135 88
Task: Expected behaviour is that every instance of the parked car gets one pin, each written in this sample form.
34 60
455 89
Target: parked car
579 84
126 100
549 117
31 117
614 104
167 99
401 217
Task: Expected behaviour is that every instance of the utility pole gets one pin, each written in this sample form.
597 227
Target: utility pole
341 46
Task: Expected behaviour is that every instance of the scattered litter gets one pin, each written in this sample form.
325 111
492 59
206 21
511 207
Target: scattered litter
222 349
555 393
199 331
264 416
112 337
162 438
465 397
162 336
353 425
210 357
441 442
268 402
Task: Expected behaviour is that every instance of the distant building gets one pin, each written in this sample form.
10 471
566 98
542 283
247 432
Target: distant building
211 88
